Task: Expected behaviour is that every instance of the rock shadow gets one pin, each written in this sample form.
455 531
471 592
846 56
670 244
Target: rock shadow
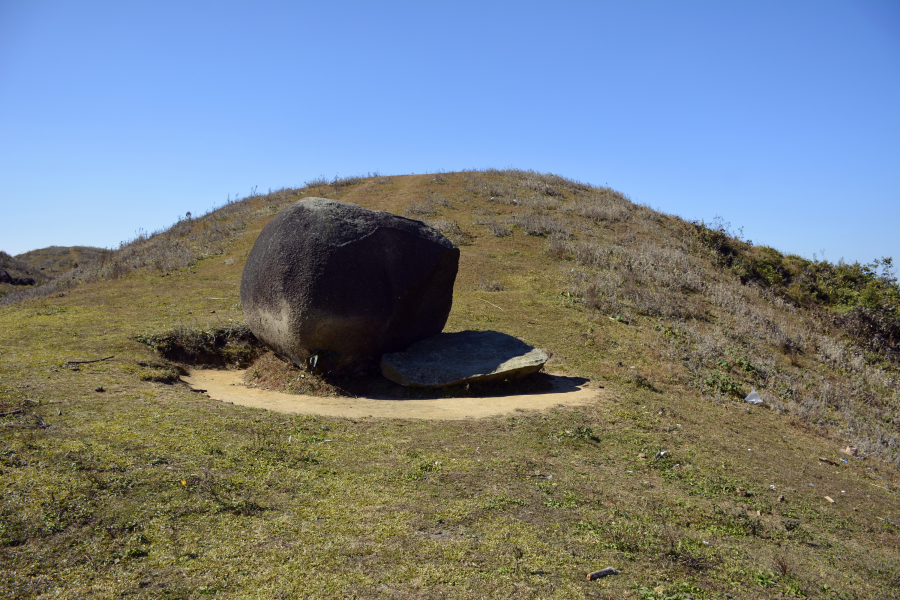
377 387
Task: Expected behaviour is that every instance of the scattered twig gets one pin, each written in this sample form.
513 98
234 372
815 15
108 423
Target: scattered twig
491 303
39 425
84 362
12 412
602 573
876 485
829 461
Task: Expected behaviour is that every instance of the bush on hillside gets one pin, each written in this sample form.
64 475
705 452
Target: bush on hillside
861 299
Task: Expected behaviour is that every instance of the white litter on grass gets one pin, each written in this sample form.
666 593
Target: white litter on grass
753 398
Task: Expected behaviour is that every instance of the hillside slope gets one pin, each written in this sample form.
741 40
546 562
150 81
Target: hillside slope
146 489
55 260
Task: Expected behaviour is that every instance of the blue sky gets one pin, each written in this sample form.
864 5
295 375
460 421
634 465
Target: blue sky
782 117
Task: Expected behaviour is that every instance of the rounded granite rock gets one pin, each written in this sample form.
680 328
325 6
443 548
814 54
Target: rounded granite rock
334 285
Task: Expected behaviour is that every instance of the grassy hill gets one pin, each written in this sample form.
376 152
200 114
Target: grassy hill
55 260
17 269
46 264
147 490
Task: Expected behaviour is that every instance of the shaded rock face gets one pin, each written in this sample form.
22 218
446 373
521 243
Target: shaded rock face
337 284
464 357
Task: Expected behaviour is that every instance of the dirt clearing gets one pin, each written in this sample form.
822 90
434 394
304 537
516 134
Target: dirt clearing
228 386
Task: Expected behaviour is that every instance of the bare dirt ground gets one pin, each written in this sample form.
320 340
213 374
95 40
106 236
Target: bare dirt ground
228 386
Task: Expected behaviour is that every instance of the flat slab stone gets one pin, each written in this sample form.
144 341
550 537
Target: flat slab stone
463 357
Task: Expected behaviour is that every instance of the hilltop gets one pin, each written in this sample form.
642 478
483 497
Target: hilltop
45 264
147 489
55 260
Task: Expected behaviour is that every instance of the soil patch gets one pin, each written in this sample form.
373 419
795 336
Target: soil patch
228 386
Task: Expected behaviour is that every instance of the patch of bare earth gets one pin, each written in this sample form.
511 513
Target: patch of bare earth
558 391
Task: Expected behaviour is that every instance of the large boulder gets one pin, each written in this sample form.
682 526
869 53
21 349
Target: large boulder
462 357
333 285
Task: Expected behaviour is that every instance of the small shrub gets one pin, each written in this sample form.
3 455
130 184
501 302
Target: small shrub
340 182
495 227
430 206
581 432
641 382
568 501
539 225
558 247
723 384
626 536
611 213
422 471
502 502
488 285
452 230
159 372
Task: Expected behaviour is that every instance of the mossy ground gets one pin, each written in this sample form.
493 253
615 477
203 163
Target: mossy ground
147 490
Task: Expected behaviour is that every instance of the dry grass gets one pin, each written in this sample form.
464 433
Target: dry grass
490 285
56 260
431 206
452 231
